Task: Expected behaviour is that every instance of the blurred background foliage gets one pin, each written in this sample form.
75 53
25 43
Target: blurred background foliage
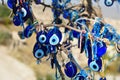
4 15
5 38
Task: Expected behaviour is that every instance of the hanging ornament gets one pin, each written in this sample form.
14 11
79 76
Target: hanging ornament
49 40
16 20
39 51
108 3
101 49
70 69
42 37
11 3
95 65
28 31
54 36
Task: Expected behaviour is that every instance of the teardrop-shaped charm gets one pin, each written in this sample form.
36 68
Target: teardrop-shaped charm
54 40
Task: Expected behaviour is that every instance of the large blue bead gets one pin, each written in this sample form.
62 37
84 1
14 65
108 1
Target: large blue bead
101 50
70 69
11 3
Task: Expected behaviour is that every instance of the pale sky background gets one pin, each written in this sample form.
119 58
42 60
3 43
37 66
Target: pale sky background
110 12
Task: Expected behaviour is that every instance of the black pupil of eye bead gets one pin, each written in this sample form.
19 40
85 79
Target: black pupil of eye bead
39 54
53 40
43 38
94 66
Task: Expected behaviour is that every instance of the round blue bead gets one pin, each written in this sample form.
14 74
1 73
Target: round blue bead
70 69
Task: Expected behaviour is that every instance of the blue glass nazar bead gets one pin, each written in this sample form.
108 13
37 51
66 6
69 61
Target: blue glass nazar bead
70 69
108 2
11 3
39 51
28 12
101 50
42 37
95 65
54 36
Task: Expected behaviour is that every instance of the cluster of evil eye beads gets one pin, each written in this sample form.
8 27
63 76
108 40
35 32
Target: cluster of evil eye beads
49 40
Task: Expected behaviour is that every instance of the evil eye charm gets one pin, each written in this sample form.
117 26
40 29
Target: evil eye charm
95 65
16 21
70 69
101 49
11 3
54 36
37 1
26 12
28 31
88 48
39 51
103 78
108 2
41 37
54 40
